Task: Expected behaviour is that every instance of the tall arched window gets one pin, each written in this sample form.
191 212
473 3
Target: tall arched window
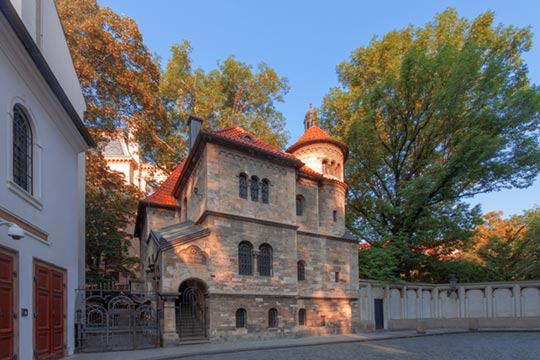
22 149
301 270
241 318
245 258
254 188
265 260
242 186
272 318
264 191
302 317
299 205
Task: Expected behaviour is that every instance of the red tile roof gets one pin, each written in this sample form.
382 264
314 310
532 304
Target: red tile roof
306 170
242 136
164 193
316 134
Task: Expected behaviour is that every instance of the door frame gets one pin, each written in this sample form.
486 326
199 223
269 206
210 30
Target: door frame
42 263
15 271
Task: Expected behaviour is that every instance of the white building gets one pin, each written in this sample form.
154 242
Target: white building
42 146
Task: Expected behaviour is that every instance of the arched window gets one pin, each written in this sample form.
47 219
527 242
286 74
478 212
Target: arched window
325 166
299 205
22 149
302 317
301 270
241 318
254 188
272 318
242 186
264 191
265 260
245 258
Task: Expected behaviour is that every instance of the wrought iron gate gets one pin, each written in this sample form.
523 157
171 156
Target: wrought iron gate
114 320
191 313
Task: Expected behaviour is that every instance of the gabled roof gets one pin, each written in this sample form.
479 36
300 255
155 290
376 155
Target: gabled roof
178 233
164 193
315 134
244 137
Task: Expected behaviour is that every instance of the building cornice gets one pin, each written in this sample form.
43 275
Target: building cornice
32 50
208 213
328 237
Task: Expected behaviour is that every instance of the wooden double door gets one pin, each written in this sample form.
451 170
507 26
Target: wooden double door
7 308
49 312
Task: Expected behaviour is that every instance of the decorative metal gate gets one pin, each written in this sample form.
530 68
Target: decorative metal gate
191 311
114 320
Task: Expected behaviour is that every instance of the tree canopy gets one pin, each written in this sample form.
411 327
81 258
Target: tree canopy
232 94
433 116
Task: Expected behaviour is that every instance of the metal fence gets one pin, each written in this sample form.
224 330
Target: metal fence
116 320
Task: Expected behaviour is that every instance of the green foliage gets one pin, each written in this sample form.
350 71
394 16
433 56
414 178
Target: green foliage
232 94
110 207
379 262
433 116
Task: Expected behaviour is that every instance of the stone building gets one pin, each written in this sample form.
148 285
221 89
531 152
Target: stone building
245 240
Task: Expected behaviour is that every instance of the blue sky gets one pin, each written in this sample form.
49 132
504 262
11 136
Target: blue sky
305 40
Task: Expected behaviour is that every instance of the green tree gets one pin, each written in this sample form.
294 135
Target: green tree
232 94
110 207
119 78
433 116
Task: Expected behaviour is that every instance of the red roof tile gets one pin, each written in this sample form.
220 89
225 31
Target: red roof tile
316 134
164 193
242 136
306 170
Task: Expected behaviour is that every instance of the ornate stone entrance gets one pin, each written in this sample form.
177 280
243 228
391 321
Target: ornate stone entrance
191 310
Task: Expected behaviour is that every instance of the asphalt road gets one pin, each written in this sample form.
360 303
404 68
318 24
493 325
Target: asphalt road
492 346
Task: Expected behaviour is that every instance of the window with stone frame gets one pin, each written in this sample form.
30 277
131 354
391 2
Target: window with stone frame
254 188
299 205
302 317
301 270
264 262
265 184
245 258
22 149
243 186
272 318
241 318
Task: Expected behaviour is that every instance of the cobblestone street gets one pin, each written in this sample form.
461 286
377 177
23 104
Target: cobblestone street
492 346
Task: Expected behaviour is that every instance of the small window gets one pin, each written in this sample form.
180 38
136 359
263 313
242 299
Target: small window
301 270
323 320
247 138
254 188
264 191
334 215
242 186
265 260
22 149
299 205
241 318
302 317
272 318
337 276
245 258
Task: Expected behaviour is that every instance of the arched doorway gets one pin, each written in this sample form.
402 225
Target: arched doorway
191 310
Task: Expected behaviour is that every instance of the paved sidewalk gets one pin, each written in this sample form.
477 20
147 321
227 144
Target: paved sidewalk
230 347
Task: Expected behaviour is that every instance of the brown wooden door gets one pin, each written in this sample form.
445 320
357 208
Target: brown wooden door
49 313
6 307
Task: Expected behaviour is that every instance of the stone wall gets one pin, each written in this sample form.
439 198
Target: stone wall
490 305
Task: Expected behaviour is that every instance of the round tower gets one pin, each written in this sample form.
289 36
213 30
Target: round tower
318 150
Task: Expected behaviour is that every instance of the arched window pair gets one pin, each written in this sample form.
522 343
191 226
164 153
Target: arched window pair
245 259
22 149
254 188
241 318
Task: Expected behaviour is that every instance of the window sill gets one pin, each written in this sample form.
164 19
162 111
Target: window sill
29 198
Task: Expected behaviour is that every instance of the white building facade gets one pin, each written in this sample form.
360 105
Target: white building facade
42 163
